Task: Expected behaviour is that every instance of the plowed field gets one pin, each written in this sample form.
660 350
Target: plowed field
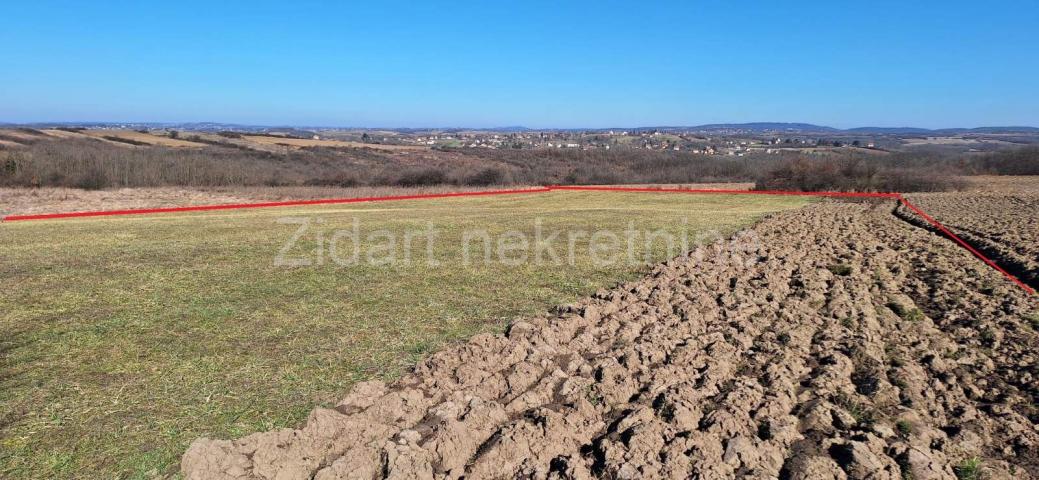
1004 226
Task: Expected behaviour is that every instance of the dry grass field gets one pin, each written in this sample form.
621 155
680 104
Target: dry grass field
123 138
145 138
1017 184
63 133
16 134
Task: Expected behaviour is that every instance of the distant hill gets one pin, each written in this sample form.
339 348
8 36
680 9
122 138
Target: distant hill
510 129
940 131
794 127
767 127
764 127
752 127
888 130
1004 130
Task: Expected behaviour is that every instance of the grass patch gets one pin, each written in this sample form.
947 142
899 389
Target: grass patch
864 415
840 270
906 313
125 338
1033 320
968 469
904 428
988 337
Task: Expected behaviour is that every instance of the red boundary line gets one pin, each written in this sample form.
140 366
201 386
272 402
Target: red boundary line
291 203
332 201
727 192
897 196
964 244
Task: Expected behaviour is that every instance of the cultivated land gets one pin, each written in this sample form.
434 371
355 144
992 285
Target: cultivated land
126 338
836 341
1004 226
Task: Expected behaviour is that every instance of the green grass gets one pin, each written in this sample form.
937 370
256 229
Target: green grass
904 428
840 269
968 469
125 338
906 313
1033 320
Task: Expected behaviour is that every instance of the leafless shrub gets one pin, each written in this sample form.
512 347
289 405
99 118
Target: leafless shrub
853 174
89 163
424 177
1022 161
486 176
129 141
339 179
573 166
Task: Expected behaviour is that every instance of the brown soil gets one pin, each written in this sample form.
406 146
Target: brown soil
22 201
1003 183
1003 226
836 341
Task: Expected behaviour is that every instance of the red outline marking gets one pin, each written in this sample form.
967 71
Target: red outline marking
549 188
897 196
964 244
291 203
727 192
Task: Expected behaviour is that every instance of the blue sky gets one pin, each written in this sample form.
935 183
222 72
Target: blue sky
533 63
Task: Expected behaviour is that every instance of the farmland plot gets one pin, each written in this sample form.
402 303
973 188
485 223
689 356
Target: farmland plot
831 342
126 338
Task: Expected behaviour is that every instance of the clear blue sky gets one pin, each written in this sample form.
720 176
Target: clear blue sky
534 63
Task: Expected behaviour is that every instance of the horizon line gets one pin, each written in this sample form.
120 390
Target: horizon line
507 127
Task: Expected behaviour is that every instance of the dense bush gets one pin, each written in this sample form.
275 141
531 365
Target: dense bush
1023 161
424 177
573 166
485 177
854 174
94 164
129 141
335 180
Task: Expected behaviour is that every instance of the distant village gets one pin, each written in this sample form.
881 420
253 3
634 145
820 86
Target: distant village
733 144
715 141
